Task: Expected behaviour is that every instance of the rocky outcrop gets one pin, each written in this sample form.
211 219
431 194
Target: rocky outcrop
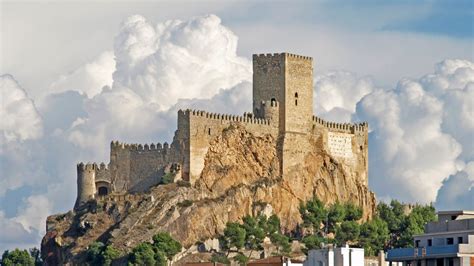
241 177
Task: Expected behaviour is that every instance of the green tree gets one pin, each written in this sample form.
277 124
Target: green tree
160 258
110 254
414 224
353 212
17 257
395 217
95 253
347 231
312 242
241 259
234 236
165 243
282 242
374 235
336 214
313 214
273 224
254 234
100 254
143 254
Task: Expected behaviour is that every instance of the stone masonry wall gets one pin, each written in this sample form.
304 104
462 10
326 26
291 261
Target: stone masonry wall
268 79
204 127
346 142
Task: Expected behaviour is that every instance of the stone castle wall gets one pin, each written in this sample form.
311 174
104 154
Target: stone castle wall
200 128
282 107
345 141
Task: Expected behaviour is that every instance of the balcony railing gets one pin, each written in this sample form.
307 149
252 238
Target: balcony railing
418 253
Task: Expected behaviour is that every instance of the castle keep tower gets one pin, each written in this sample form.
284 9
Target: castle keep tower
286 79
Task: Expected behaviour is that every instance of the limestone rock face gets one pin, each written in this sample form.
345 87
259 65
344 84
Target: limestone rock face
241 176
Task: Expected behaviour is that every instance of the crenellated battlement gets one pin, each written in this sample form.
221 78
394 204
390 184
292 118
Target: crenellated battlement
280 55
92 166
225 117
345 127
158 147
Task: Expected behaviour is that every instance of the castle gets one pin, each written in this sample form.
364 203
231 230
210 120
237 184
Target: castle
282 108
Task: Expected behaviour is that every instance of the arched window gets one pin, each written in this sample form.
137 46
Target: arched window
273 101
296 95
103 191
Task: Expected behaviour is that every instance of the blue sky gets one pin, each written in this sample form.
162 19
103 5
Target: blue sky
54 51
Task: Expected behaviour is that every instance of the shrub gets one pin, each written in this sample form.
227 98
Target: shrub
167 178
143 254
17 257
165 243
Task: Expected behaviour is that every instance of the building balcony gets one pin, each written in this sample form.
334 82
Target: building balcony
407 254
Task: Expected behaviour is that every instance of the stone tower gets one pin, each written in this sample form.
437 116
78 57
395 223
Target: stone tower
286 79
85 183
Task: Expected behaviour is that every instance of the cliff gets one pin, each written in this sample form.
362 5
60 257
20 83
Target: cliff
241 176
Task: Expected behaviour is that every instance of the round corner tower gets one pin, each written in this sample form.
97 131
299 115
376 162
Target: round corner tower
85 183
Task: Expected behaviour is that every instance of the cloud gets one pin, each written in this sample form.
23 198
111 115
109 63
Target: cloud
158 66
457 191
177 59
14 235
422 132
408 152
20 119
33 215
336 94
88 79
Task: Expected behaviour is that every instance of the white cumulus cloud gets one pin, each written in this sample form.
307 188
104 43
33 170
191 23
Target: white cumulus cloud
88 79
20 120
177 59
336 94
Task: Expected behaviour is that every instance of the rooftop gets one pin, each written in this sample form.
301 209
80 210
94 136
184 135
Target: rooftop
456 212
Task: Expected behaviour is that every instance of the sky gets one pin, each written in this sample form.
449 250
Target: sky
76 75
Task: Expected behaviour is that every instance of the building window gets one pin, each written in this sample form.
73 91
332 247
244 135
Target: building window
417 243
103 191
449 241
430 242
450 262
296 99
209 131
459 239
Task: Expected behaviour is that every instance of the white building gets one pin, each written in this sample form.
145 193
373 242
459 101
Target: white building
330 256
447 242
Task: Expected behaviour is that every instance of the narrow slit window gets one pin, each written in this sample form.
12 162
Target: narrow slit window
209 131
296 99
